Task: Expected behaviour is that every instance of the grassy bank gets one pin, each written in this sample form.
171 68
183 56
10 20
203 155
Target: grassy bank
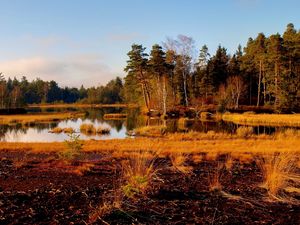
172 143
38 118
290 120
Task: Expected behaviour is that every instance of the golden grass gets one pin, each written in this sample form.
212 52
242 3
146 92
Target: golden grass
278 171
138 172
56 130
112 116
179 160
88 128
68 130
292 120
244 132
170 144
38 118
103 130
155 131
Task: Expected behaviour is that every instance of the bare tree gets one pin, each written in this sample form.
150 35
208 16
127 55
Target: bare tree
235 87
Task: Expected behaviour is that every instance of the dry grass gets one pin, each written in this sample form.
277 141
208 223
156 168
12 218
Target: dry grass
113 116
38 118
278 171
88 129
153 131
292 120
56 130
244 132
179 160
103 130
69 130
169 144
138 172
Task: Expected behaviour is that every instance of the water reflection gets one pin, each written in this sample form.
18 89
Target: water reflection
39 132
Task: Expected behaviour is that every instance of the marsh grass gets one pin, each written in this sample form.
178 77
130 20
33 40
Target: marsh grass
112 116
56 130
279 169
214 177
159 130
179 162
111 201
138 173
88 129
244 132
292 120
68 130
103 130
29 119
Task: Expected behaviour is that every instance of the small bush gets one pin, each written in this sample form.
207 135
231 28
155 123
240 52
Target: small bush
74 147
244 132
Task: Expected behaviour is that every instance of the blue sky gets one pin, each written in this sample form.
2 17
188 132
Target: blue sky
86 41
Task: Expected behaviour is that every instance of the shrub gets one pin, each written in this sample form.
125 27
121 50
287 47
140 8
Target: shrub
74 147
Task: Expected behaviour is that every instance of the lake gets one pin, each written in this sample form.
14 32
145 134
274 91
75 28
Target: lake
40 132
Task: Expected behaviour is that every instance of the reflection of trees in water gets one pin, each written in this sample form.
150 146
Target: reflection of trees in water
19 128
135 119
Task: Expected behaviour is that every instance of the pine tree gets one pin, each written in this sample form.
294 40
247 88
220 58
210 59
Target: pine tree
137 72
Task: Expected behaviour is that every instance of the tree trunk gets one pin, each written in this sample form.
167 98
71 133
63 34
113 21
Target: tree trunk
185 90
164 96
259 83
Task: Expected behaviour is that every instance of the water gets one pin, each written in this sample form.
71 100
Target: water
118 128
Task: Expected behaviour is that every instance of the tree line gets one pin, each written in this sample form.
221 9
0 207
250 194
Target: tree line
16 93
266 72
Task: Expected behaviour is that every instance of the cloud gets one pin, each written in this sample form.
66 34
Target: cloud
87 69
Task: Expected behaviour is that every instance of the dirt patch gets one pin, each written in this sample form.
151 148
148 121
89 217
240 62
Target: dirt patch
41 189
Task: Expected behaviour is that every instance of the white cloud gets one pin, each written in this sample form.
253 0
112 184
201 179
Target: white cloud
87 69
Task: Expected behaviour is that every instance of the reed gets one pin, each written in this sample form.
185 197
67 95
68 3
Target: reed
278 170
292 120
56 130
111 116
38 118
103 130
138 172
88 129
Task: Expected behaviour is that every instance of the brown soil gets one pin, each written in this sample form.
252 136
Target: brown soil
40 189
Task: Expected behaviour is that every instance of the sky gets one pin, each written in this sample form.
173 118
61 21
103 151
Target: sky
86 42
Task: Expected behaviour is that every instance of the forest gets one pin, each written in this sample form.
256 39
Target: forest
16 93
265 73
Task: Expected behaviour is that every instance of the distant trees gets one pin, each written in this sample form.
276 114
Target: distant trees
265 73
15 93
